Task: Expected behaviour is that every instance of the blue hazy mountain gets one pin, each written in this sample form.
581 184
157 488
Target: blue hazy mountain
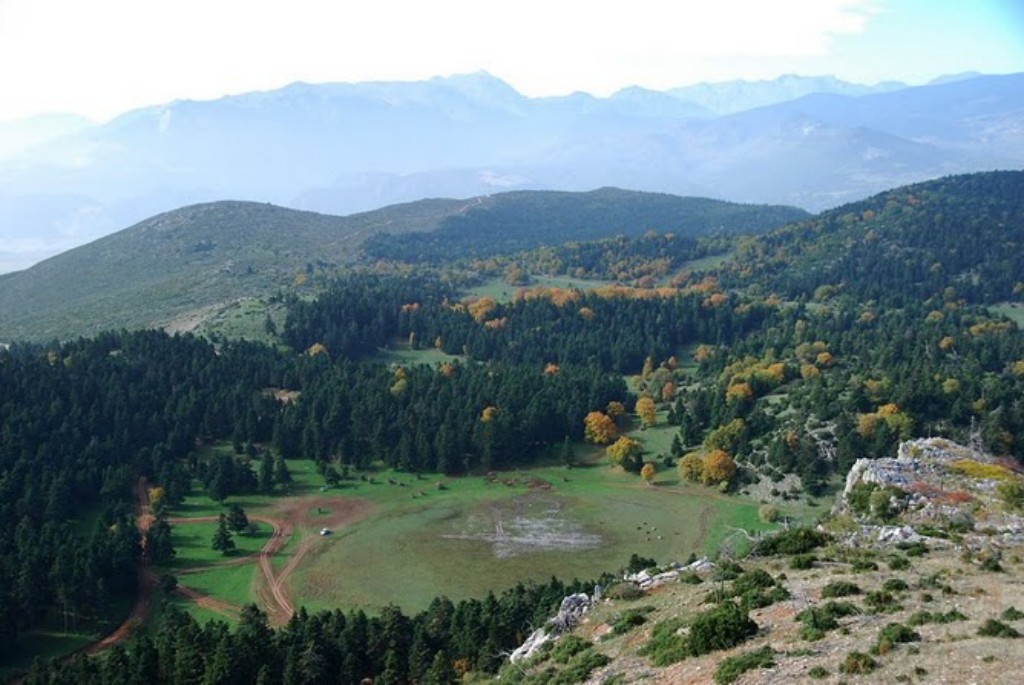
343 148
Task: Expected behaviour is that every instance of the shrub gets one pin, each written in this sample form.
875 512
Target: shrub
913 549
768 514
726 570
994 628
802 562
722 627
690 578
666 645
895 585
580 667
920 618
881 600
899 563
858 663
1012 494
864 565
794 541
818 672
1012 614
628 620
624 590
638 563
567 647
894 634
840 588
733 667
817 620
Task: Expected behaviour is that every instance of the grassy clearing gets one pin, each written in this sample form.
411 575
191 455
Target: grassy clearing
405 356
192 543
443 533
503 292
473 535
229 583
1011 310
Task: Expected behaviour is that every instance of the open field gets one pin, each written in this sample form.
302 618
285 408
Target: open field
401 539
503 292
1011 310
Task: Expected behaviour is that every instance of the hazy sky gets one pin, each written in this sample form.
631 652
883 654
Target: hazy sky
102 57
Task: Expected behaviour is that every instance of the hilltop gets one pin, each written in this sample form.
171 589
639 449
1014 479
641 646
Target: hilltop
180 268
342 148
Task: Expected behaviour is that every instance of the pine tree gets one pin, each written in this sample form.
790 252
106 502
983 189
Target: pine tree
222 540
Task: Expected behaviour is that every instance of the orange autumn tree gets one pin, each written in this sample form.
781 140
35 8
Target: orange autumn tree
719 467
648 472
599 428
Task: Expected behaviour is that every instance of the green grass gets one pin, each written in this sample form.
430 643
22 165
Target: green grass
405 356
1011 310
438 534
419 541
503 292
192 543
229 583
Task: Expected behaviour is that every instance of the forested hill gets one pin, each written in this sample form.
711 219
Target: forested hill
524 220
959 237
175 266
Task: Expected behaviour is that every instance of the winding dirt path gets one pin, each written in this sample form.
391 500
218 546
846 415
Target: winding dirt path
279 603
146 578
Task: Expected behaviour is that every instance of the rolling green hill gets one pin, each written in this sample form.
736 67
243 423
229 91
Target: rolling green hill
959 237
180 268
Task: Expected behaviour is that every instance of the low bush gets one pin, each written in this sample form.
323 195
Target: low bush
802 562
899 563
624 590
881 601
666 645
840 588
630 619
920 618
895 585
794 541
1012 614
733 667
567 647
580 667
722 627
994 628
818 672
892 635
818 620
858 663
690 578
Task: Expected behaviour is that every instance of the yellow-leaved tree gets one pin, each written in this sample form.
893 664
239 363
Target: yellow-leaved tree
719 467
599 428
645 410
625 452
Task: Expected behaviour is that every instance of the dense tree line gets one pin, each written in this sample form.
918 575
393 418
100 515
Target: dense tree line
433 647
79 422
613 329
451 418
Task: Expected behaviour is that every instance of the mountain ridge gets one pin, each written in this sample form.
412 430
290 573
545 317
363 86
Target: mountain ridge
343 148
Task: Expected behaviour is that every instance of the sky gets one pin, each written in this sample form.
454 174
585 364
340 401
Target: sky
99 58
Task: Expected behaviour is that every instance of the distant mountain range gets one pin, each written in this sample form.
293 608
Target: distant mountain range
343 148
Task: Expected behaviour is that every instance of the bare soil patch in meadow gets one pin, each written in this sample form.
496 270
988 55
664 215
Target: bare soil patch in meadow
534 522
